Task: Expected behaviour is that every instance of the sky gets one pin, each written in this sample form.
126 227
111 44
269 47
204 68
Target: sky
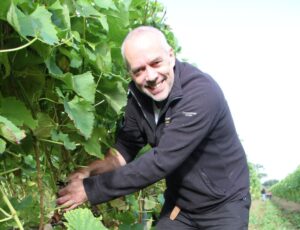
252 49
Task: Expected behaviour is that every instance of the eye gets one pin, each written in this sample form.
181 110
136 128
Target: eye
156 63
137 72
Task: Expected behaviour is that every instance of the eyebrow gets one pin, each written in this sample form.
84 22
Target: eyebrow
135 70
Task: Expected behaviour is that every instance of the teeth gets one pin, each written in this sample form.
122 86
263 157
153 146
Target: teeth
156 86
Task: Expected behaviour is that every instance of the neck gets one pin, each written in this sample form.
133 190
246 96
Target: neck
160 104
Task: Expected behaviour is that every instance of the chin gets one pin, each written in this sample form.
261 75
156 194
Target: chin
159 98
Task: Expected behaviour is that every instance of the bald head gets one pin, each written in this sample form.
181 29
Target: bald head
137 36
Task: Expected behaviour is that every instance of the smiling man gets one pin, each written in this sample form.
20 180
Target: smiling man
182 113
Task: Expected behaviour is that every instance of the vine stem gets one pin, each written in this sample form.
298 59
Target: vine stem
40 183
12 210
9 171
20 47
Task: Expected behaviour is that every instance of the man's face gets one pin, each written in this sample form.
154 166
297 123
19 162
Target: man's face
151 65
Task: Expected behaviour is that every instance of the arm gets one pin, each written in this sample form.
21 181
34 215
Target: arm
112 160
74 194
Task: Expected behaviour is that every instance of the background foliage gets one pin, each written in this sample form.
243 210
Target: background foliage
255 184
289 187
63 87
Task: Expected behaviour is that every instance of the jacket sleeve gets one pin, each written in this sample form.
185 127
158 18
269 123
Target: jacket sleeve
192 118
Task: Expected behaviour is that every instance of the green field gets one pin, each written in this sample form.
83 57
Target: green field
269 216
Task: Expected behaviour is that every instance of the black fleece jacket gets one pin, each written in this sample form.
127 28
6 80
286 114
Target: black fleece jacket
194 146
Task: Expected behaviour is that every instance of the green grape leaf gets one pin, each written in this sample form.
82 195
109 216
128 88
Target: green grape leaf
119 204
81 112
85 86
17 112
106 4
82 219
92 145
22 23
115 94
70 145
85 9
82 84
2 145
11 132
43 26
44 127
4 6
30 161
60 15
74 57
36 24
104 23
149 203
103 58
52 66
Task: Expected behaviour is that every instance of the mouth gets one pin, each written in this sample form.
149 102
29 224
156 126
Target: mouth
154 86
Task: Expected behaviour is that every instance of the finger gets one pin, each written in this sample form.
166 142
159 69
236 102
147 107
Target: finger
63 199
72 207
69 203
63 191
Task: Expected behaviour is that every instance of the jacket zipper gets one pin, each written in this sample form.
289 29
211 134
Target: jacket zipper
147 119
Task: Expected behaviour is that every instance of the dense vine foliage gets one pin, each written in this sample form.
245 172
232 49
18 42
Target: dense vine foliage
255 185
289 187
63 87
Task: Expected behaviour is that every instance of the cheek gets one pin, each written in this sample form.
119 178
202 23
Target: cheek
139 81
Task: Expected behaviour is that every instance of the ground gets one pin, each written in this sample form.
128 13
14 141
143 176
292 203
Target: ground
275 214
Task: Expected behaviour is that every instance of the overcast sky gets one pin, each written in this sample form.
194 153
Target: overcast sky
252 49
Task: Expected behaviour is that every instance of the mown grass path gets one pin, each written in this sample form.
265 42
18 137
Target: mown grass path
265 215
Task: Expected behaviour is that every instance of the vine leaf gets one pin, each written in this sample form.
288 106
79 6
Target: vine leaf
106 4
82 218
81 112
11 132
82 84
70 145
85 86
2 145
92 145
114 92
60 15
44 127
85 9
36 24
21 22
43 25
4 6
149 203
17 112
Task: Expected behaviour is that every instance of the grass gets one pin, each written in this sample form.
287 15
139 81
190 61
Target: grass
267 216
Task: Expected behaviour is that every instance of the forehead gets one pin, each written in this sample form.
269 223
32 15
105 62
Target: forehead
144 48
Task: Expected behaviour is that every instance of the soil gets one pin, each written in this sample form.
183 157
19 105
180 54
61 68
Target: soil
287 205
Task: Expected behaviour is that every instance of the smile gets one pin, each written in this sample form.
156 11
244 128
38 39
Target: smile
153 87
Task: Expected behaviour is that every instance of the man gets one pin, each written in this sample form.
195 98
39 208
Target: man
182 113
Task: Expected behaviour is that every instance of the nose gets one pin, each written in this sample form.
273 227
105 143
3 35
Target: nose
151 74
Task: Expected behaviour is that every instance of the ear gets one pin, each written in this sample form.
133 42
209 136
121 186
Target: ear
172 57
